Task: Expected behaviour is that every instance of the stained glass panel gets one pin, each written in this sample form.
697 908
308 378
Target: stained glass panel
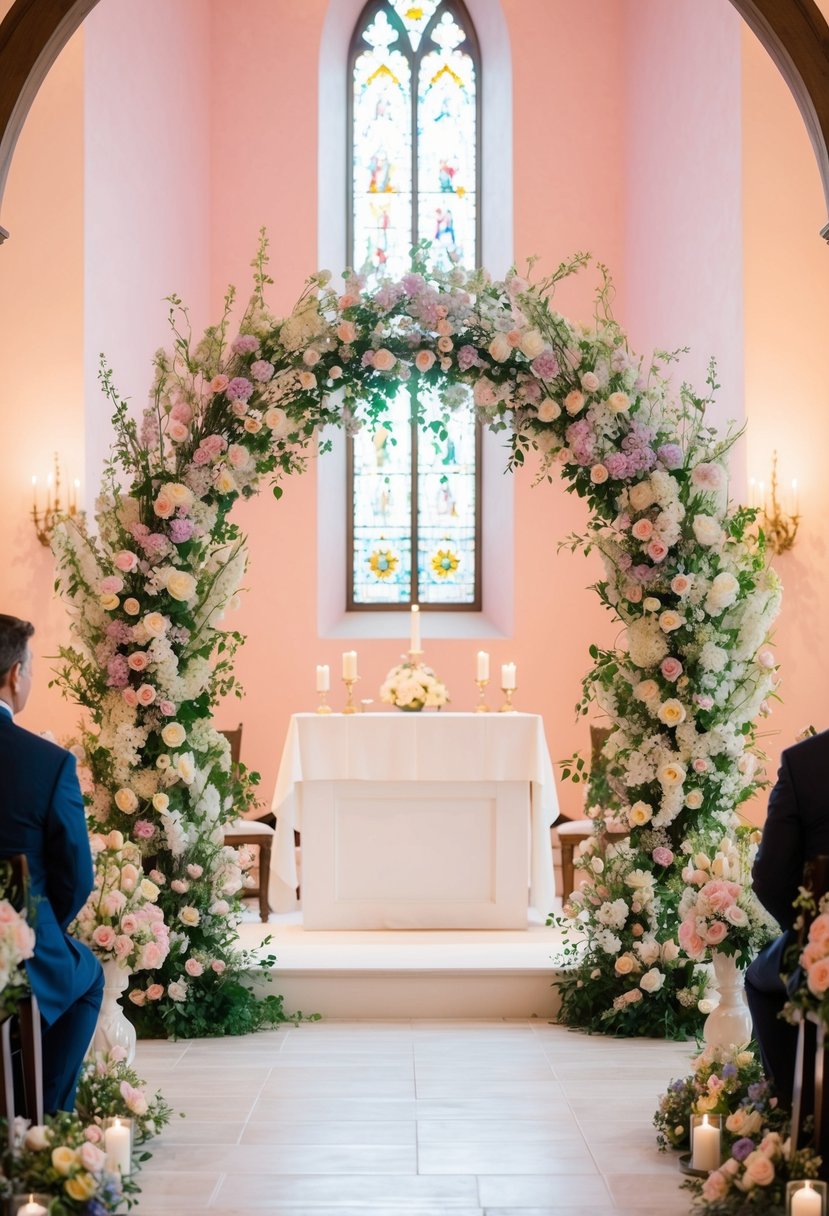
446 508
415 17
382 509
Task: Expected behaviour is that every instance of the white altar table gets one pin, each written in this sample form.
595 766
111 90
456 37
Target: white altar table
415 820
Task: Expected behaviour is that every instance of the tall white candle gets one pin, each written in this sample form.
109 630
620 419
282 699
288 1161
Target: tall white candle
508 675
32 1209
323 678
349 664
483 666
415 643
807 1201
706 1146
117 1144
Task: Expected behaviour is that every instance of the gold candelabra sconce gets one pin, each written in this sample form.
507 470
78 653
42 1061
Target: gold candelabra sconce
47 517
779 520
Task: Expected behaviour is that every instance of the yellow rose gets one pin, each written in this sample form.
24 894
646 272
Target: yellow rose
173 734
671 774
617 403
149 890
693 800
639 814
226 482
132 607
189 916
624 964
670 620
109 602
126 801
161 801
671 712
181 495
155 624
82 1186
64 1159
181 585
532 344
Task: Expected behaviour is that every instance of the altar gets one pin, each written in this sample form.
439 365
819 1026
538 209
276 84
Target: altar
415 821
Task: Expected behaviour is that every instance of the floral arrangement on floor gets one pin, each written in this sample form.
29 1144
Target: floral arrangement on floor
64 1158
121 921
722 1081
109 1087
718 907
413 686
752 1181
685 576
17 943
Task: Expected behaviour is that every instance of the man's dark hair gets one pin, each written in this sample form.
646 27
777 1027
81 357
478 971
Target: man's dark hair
14 638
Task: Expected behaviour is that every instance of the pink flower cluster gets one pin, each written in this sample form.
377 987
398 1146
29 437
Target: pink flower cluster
815 956
120 921
710 914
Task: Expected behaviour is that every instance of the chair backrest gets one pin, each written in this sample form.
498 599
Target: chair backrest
599 735
234 738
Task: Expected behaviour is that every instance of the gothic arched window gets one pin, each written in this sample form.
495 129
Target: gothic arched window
414 175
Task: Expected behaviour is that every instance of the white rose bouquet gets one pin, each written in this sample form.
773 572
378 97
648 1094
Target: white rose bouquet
412 686
120 920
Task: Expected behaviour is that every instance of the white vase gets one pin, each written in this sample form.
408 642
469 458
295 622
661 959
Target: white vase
113 1029
730 1023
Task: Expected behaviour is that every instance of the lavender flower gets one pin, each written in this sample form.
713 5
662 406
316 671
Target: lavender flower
545 365
740 1149
119 673
239 389
245 344
467 357
181 530
671 455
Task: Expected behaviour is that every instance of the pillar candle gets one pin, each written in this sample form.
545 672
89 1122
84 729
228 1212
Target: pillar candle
117 1143
350 665
483 665
508 675
415 643
707 1154
32 1209
323 678
807 1202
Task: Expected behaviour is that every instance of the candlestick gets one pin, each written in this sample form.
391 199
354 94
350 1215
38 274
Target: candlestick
482 667
706 1146
807 1201
482 707
508 707
350 707
350 665
415 643
117 1143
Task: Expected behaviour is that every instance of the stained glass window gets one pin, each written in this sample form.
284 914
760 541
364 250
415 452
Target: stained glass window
414 492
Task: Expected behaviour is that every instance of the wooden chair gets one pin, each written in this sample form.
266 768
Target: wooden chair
568 834
247 832
20 1033
811 1056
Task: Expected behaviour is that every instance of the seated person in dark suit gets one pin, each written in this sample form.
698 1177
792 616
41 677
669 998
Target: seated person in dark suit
796 830
42 815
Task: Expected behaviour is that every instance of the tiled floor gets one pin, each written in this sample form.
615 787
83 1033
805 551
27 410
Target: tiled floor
485 1118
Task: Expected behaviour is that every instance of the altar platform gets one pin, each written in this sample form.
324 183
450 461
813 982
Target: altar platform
447 973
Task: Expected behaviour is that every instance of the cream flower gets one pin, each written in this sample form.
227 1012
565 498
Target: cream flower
189 916
185 767
670 620
161 801
532 344
500 348
672 773
181 585
639 814
155 624
671 712
174 734
126 801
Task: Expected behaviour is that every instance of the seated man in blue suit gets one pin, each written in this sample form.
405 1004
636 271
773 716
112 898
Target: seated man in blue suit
42 815
796 830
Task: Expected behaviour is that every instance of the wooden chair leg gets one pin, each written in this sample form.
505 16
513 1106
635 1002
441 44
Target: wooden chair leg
7 1077
31 1048
264 877
568 873
797 1093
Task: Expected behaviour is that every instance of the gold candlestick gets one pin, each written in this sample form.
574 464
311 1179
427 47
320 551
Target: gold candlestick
350 707
508 707
323 707
482 707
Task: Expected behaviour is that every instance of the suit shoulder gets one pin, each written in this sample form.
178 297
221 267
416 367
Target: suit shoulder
42 751
814 750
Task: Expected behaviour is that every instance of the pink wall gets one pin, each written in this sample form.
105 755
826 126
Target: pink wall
147 195
786 327
41 337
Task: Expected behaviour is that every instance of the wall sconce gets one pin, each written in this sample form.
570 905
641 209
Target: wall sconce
45 520
779 525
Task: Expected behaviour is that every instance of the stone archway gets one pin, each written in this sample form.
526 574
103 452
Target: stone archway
794 32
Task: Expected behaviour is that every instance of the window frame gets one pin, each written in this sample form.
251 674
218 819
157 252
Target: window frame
470 46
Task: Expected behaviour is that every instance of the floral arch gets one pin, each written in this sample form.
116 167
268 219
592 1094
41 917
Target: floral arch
685 577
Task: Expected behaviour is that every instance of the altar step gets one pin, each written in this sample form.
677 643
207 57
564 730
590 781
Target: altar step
410 974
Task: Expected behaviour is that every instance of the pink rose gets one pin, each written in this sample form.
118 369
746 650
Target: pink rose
662 856
91 1158
699 765
680 584
633 593
104 937
817 977
384 360
349 300
138 661
145 694
715 1187
218 966
129 877
671 668
218 384
93 1134
123 945
657 549
758 1169
179 886
137 996
424 360
690 940
238 456
715 933
125 561
111 585
130 696
129 923
155 992
346 332
819 928
152 956
642 529
193 967
721 894
181 412
164 506
214 444
167 708
311 357
195 871
177 431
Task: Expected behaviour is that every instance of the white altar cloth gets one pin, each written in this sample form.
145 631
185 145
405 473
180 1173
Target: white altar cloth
418 747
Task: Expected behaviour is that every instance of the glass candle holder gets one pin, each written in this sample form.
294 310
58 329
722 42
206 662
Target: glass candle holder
706 1142
35 1203
806 1197
118 1144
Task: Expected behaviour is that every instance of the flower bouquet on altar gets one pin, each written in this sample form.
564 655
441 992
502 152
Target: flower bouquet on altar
120 921
413 686
719 911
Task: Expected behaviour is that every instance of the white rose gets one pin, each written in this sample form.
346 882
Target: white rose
641 496
177 991
277 420
532 344
671 712
189 916
185 767
617 403
149 890
672 773
652 980
180 494
225 481
670 620
181 585
155 624
707 530
639 814
670 951
174 734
